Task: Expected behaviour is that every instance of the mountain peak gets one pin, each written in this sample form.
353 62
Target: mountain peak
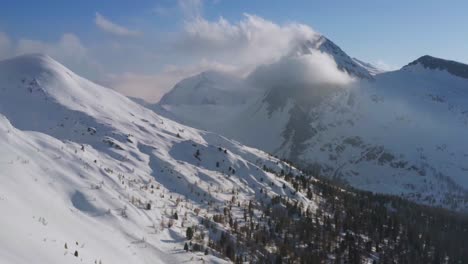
31 58
208 88
456 68
343 60
31 64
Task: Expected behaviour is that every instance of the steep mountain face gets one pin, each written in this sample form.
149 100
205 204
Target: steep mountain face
399 132
344 62
89 176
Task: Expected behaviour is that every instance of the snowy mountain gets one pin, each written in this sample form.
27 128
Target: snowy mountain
206 89
204 94
223 98
402 133
89 176
344 62
399 132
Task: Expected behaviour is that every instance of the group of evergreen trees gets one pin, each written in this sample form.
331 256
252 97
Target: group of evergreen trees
349 226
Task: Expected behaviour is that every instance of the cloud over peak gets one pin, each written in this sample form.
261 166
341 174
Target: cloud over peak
316 69
251 40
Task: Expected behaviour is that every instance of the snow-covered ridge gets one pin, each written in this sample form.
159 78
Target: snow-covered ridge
88 175
433 63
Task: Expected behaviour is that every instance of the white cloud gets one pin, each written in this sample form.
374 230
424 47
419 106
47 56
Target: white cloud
385 66
148 67
112 28
148 87
315 70
69 45
237 47
5 45
250 41
151 87
68 50
191 9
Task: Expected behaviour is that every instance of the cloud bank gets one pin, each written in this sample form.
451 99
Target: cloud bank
68 50
150 65
236 47
250 41
311 70
151 87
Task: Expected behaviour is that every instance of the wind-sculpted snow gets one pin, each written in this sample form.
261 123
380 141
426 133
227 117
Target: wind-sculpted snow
89 176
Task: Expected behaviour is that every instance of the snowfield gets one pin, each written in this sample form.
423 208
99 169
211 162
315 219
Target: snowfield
401 132
89 176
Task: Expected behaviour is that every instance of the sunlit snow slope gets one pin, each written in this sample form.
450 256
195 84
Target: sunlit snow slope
89 176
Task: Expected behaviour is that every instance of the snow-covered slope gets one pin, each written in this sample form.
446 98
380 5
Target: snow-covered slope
89 176
399 132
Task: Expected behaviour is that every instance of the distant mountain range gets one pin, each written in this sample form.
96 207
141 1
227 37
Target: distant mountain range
400 132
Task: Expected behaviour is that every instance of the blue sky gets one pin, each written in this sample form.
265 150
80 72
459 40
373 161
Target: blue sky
142 33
